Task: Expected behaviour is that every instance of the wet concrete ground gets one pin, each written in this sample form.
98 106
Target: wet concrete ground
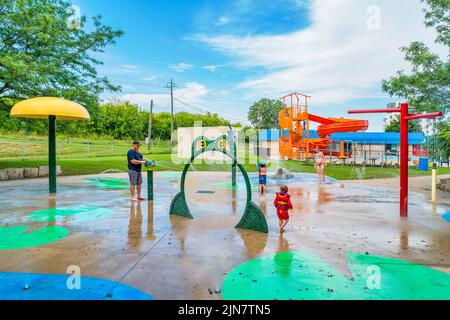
173 258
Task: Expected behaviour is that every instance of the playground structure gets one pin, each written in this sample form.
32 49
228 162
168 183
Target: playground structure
296 142
253 218
405 117
52 109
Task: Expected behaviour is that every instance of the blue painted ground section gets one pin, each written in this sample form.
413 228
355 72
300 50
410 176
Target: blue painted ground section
447 217
24 286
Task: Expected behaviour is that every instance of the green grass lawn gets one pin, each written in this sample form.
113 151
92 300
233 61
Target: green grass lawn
36 148
77 157
100 164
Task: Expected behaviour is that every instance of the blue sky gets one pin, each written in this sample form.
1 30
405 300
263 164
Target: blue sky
224 55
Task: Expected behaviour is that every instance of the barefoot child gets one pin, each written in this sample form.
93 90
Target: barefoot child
262 171
320 163
283 204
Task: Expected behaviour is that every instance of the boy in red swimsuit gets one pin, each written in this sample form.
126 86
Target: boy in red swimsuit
283 204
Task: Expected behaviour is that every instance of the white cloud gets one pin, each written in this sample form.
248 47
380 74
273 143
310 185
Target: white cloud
129 67
149 78
338 57
198 88
192 93
223 21
181 67
210 68
143 99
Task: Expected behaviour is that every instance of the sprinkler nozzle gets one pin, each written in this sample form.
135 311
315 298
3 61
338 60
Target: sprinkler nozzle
150 163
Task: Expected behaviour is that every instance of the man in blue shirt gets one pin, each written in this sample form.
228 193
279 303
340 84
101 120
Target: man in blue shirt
135 162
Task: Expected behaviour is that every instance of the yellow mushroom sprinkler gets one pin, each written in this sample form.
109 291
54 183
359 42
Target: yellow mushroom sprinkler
53 109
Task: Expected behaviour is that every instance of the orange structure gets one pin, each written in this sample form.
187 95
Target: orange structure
295 140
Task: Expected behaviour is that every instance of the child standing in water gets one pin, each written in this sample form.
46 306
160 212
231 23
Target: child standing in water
283 204
262 172
319 160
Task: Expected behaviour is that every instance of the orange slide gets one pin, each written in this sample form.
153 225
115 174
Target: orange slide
296 143
333 125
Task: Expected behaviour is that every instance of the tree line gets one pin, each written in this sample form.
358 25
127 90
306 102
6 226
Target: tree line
120 120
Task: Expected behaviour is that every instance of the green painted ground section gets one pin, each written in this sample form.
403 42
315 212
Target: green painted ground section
304 276
110 183
76 214
224 185
112 187
169 175
13 238
401 280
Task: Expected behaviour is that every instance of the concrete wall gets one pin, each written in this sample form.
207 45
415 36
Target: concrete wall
26 173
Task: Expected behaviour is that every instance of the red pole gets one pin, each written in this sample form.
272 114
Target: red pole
404 156
404 146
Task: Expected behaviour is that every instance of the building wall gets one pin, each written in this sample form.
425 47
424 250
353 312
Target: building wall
389 117
427 124
360 152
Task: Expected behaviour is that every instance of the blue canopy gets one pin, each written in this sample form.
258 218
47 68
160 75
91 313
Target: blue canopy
357 137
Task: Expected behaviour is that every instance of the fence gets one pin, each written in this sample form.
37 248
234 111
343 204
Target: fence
368 155
372 155
37 148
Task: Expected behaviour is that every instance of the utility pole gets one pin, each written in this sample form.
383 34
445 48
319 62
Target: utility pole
150 124
171 85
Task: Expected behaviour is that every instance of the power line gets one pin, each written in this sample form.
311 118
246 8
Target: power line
192 107
230 117
209 95
208 112
139 81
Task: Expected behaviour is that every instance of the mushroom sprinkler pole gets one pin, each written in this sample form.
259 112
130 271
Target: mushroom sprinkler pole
405 117
52 154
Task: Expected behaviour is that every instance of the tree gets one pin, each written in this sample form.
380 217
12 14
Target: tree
264 114
121 120
394 126
440 143
427 87
41 54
